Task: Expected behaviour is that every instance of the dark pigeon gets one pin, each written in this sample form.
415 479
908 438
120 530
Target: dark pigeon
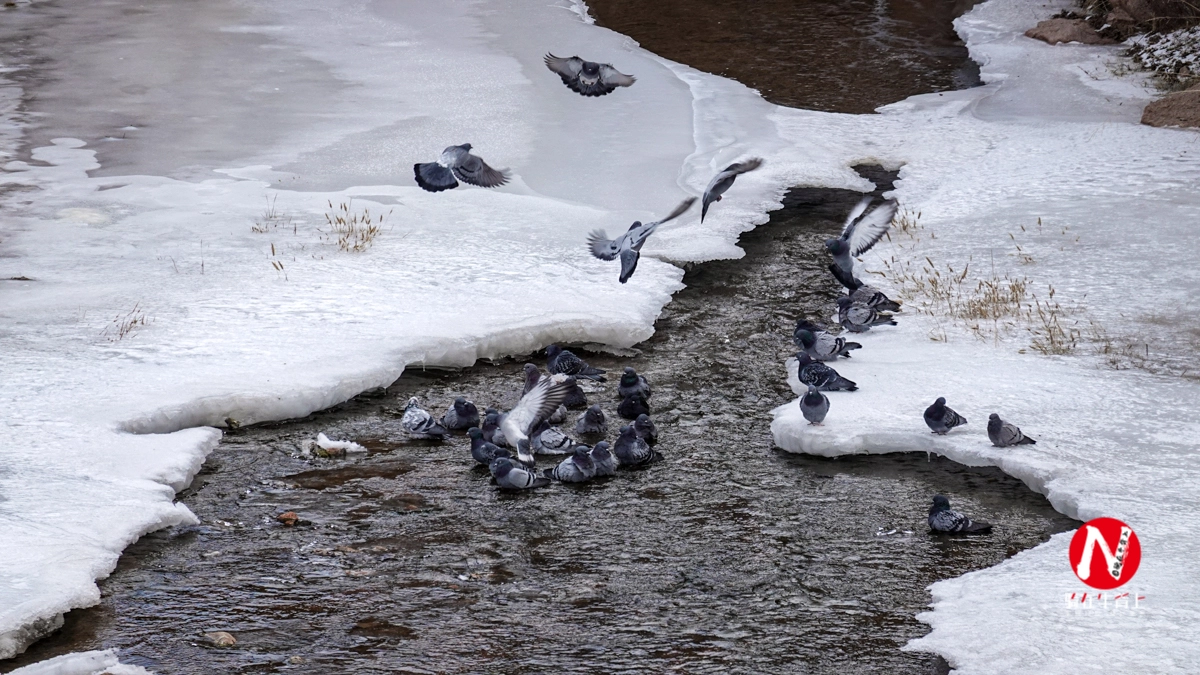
724 180
559 360
631 450
814 406
462 415
577 468
532 375
491 423
628 246
645 429
510 476
632 406
592 421
943 520
457 161
587 78
1003 434
483 451
604 461
820 375
632 383
942 419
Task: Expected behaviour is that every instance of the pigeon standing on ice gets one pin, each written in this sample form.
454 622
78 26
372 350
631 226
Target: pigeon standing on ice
814 406
483 451
942 519
587 77
548 440
628 247
820 345
632 450
941 419
874 298
603 459
462 415
419 423
860 233
592 422
724 180
559 360
632 406
858 318
509 476
1004 434
538 404
645 429
632 383
577 468
820 375
457 161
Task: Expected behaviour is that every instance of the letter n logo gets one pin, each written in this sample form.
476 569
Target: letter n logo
1105 553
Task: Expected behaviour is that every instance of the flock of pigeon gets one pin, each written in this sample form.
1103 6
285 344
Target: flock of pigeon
526 428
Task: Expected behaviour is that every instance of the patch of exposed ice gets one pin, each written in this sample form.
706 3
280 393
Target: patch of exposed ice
82 663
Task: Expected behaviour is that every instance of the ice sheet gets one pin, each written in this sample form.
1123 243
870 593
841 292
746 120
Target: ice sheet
82 663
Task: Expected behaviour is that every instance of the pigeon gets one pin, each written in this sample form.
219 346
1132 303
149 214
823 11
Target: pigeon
587 77
559 360
820 375
591 422
577 468
860 233
483 451
532 375
632 406
419 423
462 415
491 424
1004 434
632 450
645 429
605 461
457 161
858 318
820 345
942 419
942 519
538 404
814 406
632 383
576 398
560 413
548 440
510 476
874 298
724 180
628 247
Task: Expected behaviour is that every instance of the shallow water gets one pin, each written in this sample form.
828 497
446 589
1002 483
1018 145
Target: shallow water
728 556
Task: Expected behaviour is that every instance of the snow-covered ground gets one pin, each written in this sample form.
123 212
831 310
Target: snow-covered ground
150 232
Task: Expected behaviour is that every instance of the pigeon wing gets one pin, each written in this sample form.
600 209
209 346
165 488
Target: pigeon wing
566 68
539 403
629 261
434 177
869 229
475 171
638 236
614 78
602 247
743 167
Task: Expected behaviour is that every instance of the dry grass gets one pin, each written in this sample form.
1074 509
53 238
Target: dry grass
126 325
353 232
272 218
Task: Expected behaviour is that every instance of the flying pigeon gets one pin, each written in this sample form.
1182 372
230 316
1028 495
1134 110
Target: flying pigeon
942 519
820 345
814 406
858 318
559 360
632 406
605 462
591 422
1004 434
942 419
510 476
632 383
483 451
860 233
419 423
586 77
462 415
628 246
724 180
874 298
577 468
645 429
548 440
820 375
539 403
457 160
632 450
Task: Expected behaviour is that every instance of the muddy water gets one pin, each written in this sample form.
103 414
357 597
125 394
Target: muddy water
728 556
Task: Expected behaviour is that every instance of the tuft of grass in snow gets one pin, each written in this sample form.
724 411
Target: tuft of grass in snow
353 232
126 325
272 218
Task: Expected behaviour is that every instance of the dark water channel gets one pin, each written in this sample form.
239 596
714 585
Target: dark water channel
728 556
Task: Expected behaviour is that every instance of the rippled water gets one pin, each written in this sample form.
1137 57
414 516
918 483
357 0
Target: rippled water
728 556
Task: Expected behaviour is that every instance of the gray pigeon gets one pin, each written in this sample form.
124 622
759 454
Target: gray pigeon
942 419
483 451
814 406
576 398
1004 434
819 344
874 298
632 450
942 519
548 440
532 375
604 461
419 423
577 468
462 415
628 247
820 375
587 77
592 421
858 318
560 413
645 429
538 404
510 476
724 180
559 360
457 160
632 406
860 233
491 424
632 383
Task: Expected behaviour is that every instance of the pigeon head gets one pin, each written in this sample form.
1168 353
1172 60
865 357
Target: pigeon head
837 246
940 503
466 146
459 401
993 417
582 451
941 401
590 72
462 406
412 403
843 301
600 448
594 414
531 370
642 419
630 377
553 351
803 359
813 397
805 337
636 224
627 432
805 324
492 418
501 466
475 433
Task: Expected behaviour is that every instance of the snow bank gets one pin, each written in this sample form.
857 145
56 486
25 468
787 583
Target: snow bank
82 663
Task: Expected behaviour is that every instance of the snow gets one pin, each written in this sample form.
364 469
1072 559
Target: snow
82 663
155 312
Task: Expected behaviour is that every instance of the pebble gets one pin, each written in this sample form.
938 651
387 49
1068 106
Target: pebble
221 639
288 518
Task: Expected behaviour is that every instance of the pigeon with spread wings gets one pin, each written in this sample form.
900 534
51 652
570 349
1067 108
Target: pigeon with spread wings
724 180
628 246
457 161
539 404
588 78
863 228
